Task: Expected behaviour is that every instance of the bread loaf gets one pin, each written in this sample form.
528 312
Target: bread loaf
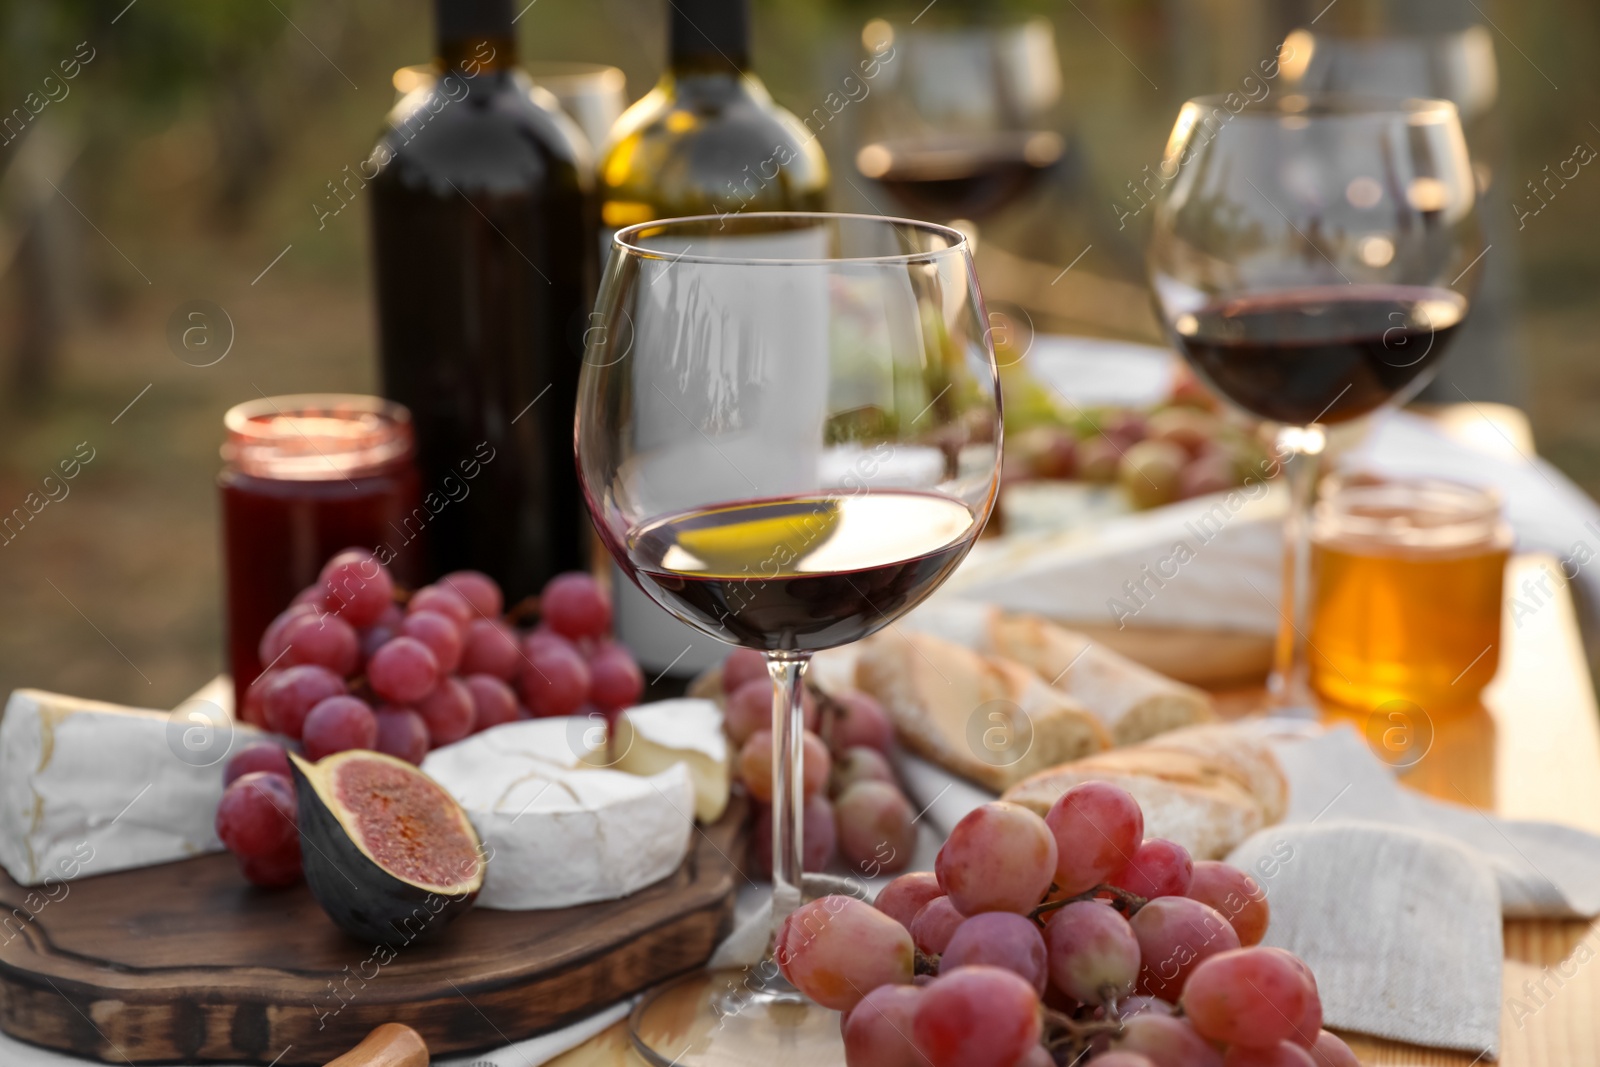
1133 702
1205 787
984 718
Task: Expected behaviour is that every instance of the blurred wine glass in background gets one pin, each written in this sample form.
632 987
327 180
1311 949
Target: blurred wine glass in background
1435 51
957 126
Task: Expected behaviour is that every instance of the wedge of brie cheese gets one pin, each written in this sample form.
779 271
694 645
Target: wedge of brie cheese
87 787
652 737
560 827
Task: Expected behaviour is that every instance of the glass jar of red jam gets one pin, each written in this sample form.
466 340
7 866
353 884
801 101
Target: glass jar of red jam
303 477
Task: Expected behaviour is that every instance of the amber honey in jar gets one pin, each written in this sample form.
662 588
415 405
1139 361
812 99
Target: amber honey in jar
1406 584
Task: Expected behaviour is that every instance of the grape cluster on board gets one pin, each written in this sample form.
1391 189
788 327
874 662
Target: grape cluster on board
854 807
348 665
1067 939
1185 448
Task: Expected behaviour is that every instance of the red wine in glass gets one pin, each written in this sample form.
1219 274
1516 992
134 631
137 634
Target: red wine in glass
802 572
1321 355
960 175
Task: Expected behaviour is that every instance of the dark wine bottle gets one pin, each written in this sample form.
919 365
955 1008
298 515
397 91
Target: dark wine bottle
709 139
484 226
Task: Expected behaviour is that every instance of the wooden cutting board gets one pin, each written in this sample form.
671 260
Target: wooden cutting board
186 961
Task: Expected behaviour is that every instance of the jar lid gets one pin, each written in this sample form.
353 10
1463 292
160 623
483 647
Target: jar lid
316 436
1409 516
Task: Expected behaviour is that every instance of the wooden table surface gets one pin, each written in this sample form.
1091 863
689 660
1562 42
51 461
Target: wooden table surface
1532 751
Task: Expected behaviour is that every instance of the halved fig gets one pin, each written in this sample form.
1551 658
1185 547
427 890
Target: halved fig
388 854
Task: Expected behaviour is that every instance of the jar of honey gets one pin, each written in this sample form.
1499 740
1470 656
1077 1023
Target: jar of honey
1407 578
303 477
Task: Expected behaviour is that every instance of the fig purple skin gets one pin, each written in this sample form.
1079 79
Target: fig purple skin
364 899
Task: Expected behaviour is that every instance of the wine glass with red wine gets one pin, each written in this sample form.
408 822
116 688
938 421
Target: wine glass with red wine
788 435
957 123
1312 258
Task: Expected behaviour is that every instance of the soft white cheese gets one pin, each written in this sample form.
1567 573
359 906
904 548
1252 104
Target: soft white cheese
88 787
560 828
652 737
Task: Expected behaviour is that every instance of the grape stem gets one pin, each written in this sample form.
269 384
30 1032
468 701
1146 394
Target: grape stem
524 610
1124 901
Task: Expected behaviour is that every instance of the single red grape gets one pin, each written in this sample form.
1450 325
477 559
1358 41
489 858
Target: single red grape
860 720
292 694
1175 934
744 665
403 671
615 681
819 836
256 815
877 1032
271 646
326 641
490 647
860 764
977 1017
448 711
554 680
1097 827
935 925
266 756
402 733
438 599
999 939
440 633
338 724
481 592
493 701
1235 894
877 828
837 949
575 606
908 894
359 588
999 857
1250 996
1159 868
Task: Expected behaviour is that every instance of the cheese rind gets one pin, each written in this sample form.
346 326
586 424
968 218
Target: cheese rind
559 830
652 737
89 788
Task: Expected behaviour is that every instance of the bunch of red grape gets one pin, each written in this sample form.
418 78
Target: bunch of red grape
1040 942
854 807
346 666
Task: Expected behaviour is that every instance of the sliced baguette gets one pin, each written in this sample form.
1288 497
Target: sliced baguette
1205 787
989 720
1132 701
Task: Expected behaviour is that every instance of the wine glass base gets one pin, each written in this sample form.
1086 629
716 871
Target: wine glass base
734 1018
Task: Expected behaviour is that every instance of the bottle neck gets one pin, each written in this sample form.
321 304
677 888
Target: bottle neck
709 37
474 36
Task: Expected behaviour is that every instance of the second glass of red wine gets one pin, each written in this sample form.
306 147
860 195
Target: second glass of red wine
788 435
1312 257
957 125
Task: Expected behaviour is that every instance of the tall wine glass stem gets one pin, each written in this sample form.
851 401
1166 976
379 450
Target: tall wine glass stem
1301 449
788 785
